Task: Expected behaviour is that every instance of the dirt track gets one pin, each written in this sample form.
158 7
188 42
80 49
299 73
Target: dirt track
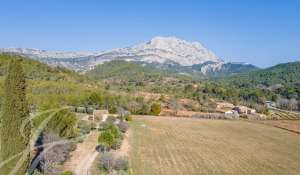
84 155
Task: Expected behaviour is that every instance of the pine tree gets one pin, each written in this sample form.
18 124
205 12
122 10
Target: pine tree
15 127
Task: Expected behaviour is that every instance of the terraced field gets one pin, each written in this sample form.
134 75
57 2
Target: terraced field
284 115
168 146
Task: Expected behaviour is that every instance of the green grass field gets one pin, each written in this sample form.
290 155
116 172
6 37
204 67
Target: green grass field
160 145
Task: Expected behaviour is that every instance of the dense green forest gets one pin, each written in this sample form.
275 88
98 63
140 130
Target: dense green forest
282 80
280 83
285 74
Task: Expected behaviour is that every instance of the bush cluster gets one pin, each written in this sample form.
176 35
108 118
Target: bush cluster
110 136
85 127
108 163
56 155
155 109
67 173
123 126
128 118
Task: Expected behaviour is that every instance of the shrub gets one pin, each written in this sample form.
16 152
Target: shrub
63 122
90 110
110 119
123 126
84 127
106 138
104 125
114 130
116 144
144 109
72 109
121 164
81 110
155 109
106 162
128 118
112 110
54 156
36 172
122 172
110 136
67 173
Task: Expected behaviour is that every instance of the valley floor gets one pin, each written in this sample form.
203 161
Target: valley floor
167 146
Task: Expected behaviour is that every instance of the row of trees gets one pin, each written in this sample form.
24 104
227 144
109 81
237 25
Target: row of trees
289 104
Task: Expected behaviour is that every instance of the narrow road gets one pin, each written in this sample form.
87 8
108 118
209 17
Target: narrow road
84 155
85 165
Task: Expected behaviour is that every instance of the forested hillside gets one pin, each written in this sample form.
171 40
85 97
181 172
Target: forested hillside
36 70
285 74
280 83
130 76
123 70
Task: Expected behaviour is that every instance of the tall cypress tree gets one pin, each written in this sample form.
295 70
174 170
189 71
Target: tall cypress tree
14 127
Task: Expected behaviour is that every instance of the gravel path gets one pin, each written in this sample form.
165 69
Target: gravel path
85 153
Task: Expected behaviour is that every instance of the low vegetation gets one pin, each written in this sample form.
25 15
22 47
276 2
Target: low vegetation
110 164
110 137
54 151
155 109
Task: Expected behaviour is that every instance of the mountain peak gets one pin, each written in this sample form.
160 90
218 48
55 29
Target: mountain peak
161 42
163 49
169 39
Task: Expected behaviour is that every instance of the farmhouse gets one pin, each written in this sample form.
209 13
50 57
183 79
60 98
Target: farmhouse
224 106
244 110
270 104
231 112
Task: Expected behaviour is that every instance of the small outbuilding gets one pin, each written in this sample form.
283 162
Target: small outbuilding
232 114
229 112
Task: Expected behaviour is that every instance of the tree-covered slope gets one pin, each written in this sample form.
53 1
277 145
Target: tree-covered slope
123 70
285 74
49 86
132 76
36 70
280 81
223 69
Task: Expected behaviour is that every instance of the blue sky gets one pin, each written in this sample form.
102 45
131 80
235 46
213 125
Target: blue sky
261 32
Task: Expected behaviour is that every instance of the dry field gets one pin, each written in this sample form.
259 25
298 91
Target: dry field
168 146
